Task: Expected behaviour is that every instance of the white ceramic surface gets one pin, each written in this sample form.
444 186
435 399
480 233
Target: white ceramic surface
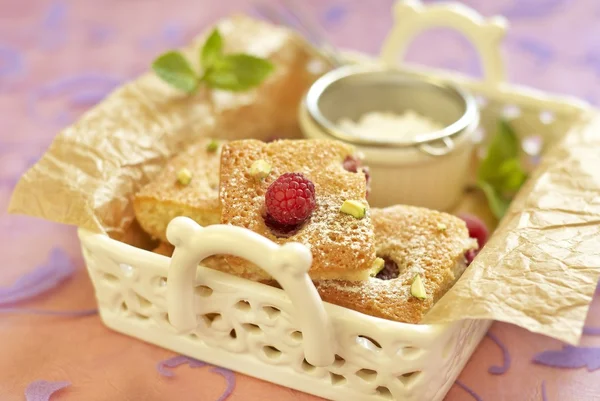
408 175
287 337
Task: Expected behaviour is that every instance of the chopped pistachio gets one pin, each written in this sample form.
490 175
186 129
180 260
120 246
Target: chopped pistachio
260 169
354 208
184 176
417 289
441 227
378 265
212 146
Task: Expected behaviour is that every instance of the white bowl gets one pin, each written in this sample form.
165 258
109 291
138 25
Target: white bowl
429 169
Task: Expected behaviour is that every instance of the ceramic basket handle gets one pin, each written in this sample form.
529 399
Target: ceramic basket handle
288 264
411 17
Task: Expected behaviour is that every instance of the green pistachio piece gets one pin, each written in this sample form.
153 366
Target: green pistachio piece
417 289
212 146
354 208
184 176
260 169
378 265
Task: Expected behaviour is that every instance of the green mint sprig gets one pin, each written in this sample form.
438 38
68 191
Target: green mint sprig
233 72
500 173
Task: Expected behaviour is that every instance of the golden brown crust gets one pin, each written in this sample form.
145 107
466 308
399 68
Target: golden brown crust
165 249
342 246
216 262
420 241
164 198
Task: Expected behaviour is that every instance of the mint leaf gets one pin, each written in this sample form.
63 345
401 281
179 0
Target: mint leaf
504 146
237 72
174 69
500 173
511 176
212 49
498 204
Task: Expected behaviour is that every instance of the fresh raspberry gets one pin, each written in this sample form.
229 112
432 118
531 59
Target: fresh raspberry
367 173
470 255
290 199
352 164
390 270
477 230
278 229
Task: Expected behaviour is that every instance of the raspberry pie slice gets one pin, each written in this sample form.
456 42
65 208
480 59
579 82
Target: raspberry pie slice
292 190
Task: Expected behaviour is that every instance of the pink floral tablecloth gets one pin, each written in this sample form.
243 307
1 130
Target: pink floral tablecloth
58 58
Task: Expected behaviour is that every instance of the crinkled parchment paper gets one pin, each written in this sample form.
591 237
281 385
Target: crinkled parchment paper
540 268
538 271
93 167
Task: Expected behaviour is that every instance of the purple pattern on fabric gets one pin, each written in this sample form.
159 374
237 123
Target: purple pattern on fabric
176 361
55 16
11 61
42 279
100 34
60 313
89 98
73 87
542 51
592 60
229 379
53 34
544 395
531 8
334 14
570 358
173 34
11 179
472 393
499 370
147 44
591 331
42 390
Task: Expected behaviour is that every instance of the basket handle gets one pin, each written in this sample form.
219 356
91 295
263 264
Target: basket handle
288 264
412 17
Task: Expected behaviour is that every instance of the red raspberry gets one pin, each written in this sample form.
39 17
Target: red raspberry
470 255
290 199
477 230
352 164
272 139
390 270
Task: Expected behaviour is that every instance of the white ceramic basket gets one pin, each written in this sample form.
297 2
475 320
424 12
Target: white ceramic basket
289 336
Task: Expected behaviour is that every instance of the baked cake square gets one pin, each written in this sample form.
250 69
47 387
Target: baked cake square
342 245
413 241
165 198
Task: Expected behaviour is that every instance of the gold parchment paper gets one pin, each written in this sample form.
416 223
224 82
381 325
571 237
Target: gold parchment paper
538 271
540 268
92 168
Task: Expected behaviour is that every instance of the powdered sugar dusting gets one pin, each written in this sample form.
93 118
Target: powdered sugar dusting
410 237
341 244
387 124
